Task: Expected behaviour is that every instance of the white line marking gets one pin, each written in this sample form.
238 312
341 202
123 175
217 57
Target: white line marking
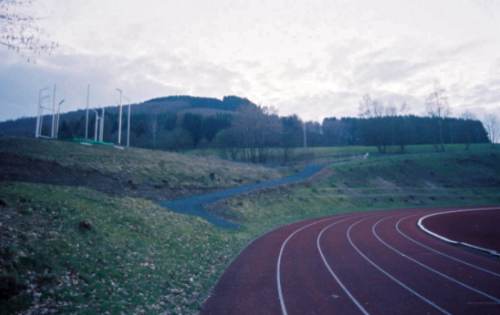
318 245
348 233
439 252
278 264
374 232
421 226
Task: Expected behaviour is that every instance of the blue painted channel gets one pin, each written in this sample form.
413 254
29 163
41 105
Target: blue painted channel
195 205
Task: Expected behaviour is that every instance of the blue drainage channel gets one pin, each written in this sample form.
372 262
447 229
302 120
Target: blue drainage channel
195 205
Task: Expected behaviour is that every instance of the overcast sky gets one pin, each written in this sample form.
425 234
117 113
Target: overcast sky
315 58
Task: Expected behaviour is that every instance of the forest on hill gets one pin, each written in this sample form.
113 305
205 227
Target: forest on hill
234 123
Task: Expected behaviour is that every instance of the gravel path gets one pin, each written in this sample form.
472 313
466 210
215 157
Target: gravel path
195 205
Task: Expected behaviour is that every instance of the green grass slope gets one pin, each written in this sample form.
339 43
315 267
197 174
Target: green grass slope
75 250
328 154
138 172
412 180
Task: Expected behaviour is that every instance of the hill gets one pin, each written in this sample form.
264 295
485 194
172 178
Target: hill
165 111
247 132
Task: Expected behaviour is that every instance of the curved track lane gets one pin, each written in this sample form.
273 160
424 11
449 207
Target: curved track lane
361 263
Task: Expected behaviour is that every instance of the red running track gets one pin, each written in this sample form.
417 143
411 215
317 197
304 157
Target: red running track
361 263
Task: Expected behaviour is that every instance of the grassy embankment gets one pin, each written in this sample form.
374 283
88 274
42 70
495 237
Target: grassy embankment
76 250
132 172
328 154
412 180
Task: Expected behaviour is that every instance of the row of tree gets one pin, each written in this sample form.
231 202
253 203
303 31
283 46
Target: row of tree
169 131
255 131
248 132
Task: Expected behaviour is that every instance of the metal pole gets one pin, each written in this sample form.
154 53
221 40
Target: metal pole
52 133
128 125
102 126
37 130
120 118
87 113
96 126
57 118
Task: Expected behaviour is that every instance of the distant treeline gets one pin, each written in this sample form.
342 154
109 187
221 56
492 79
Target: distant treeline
401 131
247 132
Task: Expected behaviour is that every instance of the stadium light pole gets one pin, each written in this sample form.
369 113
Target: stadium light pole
57 118
102 125
39 119
96 125
120 118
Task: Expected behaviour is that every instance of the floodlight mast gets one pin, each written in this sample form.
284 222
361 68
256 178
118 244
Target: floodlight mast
39 112
57 117
102 126
120 118
96 125
39 119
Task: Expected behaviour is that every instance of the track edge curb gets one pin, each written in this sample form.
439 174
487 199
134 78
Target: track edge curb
421 225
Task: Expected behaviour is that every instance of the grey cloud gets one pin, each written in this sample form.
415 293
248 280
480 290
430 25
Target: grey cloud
389 70
319 106
140 78
485 94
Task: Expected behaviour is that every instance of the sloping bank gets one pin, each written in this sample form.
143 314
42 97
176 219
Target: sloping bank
195 205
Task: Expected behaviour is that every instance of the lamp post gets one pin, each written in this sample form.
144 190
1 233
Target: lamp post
102 125
96 125
43 95
57 118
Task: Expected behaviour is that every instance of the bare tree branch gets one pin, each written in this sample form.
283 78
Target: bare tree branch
19 30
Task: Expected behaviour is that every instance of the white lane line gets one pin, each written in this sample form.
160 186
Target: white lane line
421 225
423 298
439 252
427 267
278 264
318 245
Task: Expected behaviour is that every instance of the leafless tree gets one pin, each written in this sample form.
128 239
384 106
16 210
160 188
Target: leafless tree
19 30
254 131
492 125
370 108
438 108
384 131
